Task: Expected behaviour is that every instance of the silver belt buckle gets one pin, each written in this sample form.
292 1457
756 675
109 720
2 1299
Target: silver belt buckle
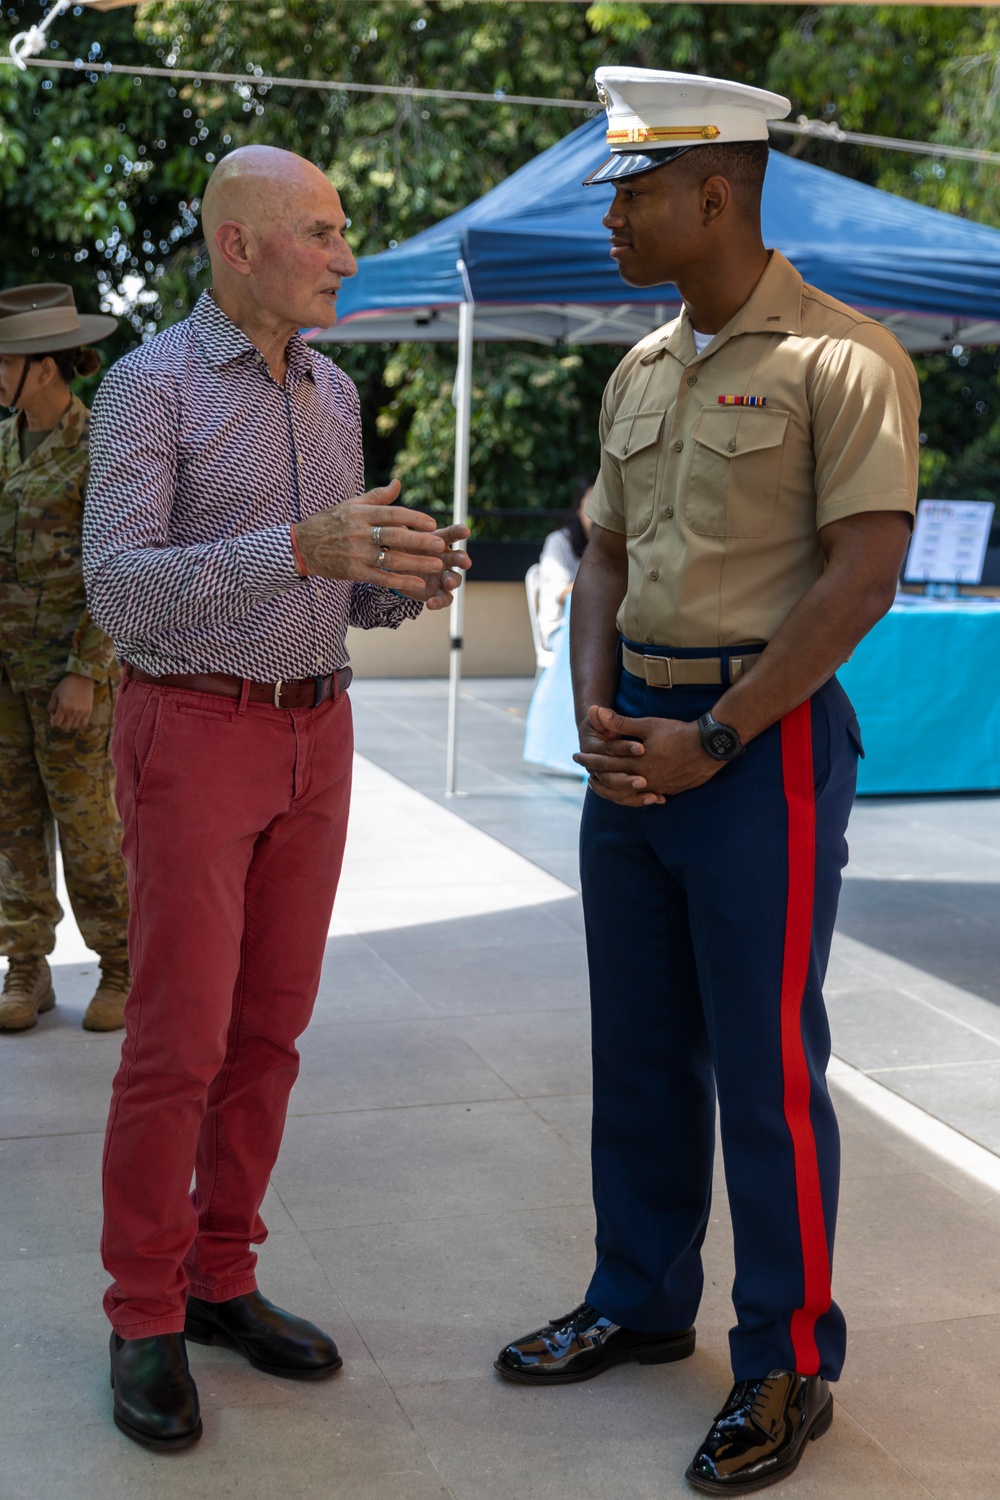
277 692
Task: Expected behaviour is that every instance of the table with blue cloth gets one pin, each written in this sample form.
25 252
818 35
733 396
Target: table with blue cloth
924 682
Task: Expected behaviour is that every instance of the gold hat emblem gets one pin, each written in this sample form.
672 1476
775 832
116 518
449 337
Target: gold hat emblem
640 135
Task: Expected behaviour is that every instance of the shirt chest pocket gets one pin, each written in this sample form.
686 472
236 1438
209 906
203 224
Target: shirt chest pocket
732 489
634 444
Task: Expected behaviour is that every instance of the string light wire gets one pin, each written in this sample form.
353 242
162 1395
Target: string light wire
818 129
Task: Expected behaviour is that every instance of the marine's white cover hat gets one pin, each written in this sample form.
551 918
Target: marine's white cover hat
654 117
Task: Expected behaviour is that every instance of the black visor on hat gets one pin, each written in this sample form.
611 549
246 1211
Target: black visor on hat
631 163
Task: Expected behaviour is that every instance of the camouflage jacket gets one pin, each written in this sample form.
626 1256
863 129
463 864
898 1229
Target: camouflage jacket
45 630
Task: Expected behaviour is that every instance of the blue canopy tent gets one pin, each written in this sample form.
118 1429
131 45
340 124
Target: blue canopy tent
536 263
529 261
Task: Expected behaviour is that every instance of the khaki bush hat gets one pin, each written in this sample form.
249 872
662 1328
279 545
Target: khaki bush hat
43 319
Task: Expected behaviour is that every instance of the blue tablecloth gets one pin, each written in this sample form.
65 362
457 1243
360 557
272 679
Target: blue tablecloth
925 683
926 687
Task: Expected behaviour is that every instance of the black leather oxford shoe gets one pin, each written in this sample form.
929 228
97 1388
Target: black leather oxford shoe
156 1401
270 1338
582 1344
761 1432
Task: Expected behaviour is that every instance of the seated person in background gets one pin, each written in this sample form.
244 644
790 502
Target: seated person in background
560 559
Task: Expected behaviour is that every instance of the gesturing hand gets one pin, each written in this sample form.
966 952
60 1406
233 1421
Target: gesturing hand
340 543
439 587
672 757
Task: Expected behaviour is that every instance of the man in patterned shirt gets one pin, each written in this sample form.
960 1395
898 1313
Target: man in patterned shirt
228 543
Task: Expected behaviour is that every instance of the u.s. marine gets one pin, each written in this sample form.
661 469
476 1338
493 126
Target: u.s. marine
757 483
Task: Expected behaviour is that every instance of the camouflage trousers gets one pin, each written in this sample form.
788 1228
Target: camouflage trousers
49 779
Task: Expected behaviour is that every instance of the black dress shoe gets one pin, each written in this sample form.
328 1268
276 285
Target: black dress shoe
761 1432
582 1344
270 1338
156 1401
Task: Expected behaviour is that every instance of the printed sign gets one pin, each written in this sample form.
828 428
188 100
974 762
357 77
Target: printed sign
949 541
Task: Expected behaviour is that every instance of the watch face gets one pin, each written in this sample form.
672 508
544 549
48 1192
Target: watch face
721 742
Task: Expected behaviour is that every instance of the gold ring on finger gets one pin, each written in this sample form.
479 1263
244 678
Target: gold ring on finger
382 561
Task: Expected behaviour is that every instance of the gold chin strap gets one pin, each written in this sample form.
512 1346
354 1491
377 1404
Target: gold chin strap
644 135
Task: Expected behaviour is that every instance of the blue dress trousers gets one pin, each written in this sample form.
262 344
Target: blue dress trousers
709 922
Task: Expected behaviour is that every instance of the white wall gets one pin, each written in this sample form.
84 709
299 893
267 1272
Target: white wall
497 639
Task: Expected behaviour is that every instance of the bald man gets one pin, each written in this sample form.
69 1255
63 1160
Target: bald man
228 544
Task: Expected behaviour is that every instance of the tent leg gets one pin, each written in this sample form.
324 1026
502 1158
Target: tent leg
463 423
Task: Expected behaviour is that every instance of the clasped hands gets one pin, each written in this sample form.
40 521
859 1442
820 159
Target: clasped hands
367 541
642 762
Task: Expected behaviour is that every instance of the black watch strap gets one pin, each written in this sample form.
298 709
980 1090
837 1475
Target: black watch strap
720 741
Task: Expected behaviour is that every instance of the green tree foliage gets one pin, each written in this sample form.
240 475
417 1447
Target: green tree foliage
101 176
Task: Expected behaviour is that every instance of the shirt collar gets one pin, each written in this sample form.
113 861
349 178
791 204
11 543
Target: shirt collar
222 342
774 306
67 433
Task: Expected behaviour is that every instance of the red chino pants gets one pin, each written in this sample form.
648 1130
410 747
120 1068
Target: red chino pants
235 818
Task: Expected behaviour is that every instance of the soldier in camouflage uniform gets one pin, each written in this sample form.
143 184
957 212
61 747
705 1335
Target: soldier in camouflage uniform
57 671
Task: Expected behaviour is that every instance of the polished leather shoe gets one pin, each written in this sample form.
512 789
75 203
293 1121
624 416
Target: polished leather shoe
761 1432
270 1338
156 1401
582 1344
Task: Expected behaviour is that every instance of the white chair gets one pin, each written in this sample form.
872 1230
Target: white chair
543 658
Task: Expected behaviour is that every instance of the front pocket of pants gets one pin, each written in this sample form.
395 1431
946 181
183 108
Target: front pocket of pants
147 734
206 711
732 488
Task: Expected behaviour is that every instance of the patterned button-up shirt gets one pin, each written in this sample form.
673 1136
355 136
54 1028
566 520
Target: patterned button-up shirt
199 462
45 630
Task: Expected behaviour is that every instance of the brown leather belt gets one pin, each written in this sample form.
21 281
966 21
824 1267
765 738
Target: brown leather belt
685 671
300 692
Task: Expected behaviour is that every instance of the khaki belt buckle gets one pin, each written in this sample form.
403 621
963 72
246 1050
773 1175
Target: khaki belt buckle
658 671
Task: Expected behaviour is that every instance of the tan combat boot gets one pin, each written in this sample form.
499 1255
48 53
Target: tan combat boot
105 1011
27 992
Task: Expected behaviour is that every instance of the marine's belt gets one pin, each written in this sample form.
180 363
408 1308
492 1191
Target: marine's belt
685 671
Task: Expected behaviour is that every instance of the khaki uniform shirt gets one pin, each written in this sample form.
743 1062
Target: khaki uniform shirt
45 630
721 504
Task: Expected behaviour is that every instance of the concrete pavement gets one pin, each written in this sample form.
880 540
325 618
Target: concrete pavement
432 1196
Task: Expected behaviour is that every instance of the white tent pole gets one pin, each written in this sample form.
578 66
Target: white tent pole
463 424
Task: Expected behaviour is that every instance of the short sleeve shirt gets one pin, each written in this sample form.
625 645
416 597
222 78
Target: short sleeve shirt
721 468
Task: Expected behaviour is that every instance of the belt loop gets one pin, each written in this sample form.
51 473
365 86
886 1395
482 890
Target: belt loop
318 690
244 695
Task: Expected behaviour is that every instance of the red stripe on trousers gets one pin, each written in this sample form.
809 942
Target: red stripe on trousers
797 774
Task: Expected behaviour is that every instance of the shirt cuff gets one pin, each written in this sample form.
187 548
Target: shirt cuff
77 667
267 563
396 605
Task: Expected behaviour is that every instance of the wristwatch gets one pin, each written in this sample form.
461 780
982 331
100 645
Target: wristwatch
719 740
